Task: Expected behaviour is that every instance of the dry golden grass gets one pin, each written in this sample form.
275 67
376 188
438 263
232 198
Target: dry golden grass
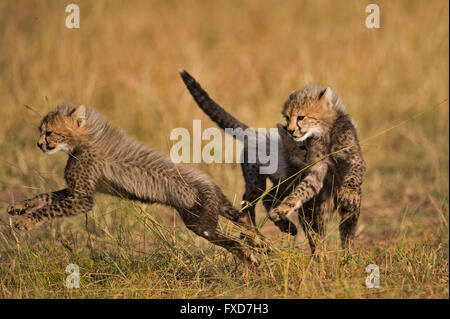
249 55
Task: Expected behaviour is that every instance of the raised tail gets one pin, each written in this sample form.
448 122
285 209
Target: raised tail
211 108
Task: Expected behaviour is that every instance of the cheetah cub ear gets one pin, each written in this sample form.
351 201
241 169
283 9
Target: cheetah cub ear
326 97
79 115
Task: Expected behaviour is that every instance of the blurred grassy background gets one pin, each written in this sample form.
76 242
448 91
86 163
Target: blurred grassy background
249 55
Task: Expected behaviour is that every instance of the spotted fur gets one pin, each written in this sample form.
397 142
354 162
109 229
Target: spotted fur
102 158
316 117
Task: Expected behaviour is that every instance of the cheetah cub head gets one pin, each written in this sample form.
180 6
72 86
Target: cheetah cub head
62 129
310 113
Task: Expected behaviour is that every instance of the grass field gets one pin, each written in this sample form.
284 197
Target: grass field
249 55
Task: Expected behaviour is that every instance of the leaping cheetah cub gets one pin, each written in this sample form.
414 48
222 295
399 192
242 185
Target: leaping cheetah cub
102 158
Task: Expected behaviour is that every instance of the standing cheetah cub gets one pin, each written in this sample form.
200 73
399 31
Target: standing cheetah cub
316 117
317 125
104 159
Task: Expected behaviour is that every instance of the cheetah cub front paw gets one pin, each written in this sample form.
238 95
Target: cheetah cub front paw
24 222
278 217
349 198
